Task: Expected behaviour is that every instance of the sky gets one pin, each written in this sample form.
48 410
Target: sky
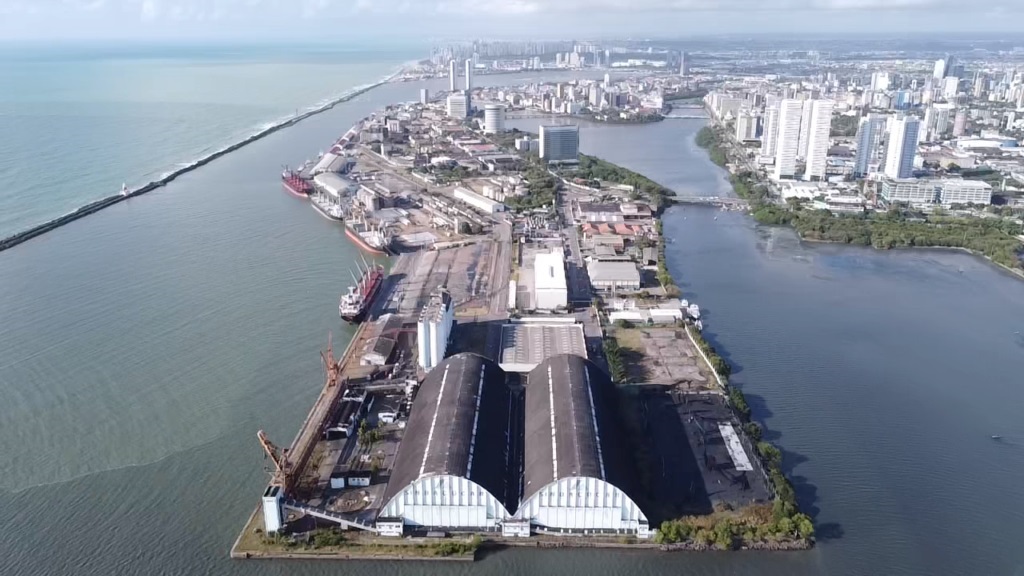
452 19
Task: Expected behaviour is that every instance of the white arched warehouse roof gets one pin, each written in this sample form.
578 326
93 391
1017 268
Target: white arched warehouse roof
577 473
451 467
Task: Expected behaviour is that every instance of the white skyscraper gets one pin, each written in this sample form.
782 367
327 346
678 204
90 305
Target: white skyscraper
960 123
424 96
818 141
684 68
939 71
469 76
451 76
805 129
950 87
788 138
869 138
494 118
746 126
880 81
899 155
770 134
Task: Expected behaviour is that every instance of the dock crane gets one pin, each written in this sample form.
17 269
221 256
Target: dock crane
332 366
279 456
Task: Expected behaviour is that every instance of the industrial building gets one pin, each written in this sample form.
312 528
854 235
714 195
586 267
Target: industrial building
527 342
560 144
494 118
609 276
434 328
451 469
458 466
550 291
334 185
481 203
577 473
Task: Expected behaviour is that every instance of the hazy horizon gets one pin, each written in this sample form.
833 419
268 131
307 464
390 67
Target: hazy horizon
319 20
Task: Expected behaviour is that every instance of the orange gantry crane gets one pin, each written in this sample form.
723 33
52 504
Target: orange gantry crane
287 465
279 456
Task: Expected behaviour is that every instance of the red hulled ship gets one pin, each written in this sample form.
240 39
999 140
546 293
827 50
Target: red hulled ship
295 184
357 301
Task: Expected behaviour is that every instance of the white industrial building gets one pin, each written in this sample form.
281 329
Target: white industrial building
530 340
334 185
550 291
494 118
614 275
560 143
434 328
576 473
450 471
455 468
481 203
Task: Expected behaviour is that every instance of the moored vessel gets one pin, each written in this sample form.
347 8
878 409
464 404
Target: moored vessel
294 184
356 302
375 239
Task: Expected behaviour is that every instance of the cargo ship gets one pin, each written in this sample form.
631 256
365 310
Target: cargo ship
357 301
373 239
295 184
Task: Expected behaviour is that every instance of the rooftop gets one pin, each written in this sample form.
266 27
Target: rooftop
606 271
549 271
525 345
461 405
572 429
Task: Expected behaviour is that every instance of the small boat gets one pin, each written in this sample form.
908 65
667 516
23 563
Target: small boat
997 437
125 191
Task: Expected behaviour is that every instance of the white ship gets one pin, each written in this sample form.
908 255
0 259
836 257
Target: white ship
327 206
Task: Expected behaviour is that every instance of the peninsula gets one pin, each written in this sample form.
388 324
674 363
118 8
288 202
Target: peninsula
528 374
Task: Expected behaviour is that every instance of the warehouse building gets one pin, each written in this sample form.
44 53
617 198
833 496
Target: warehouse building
609 276
481 203
451 470
577 472
550 291
527 342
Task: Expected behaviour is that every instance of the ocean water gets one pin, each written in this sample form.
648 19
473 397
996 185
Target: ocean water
78 121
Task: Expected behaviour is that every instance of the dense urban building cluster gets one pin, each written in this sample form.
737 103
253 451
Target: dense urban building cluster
915 131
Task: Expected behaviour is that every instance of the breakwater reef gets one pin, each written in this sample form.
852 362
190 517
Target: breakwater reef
103 203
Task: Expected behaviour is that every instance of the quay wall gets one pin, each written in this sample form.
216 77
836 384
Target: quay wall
97 205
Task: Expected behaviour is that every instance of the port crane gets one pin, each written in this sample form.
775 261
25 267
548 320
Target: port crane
279 456
332 366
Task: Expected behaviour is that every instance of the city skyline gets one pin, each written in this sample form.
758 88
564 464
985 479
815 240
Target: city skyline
319 19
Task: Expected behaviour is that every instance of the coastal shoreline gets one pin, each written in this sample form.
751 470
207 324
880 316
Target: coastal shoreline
724 153
17 238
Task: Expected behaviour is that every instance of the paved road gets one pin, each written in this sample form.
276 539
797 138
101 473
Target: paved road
501 270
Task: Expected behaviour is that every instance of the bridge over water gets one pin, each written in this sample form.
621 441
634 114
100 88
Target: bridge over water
711 201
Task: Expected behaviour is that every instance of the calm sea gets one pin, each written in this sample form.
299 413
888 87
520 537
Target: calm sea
79 121
142 348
